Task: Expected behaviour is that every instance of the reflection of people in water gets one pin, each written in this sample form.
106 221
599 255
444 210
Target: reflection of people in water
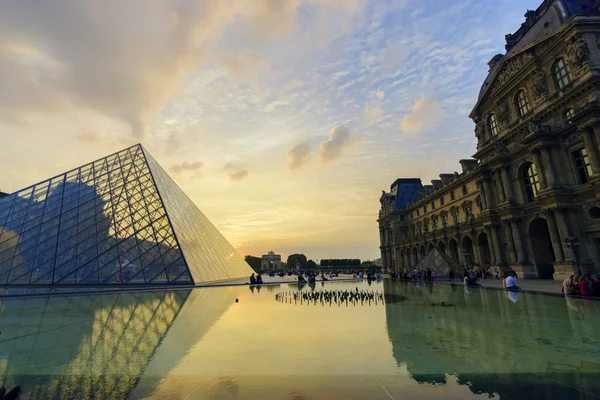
512 295
301 279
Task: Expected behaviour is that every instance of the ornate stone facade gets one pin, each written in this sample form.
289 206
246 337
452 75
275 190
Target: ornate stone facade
534 183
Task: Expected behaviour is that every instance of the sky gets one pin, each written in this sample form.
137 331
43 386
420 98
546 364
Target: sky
281 119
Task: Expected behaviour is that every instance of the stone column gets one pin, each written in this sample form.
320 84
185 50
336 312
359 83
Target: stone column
496 250
490 245
476 254
488 193
556 243
461 258
548 165
381 237
507 183
499 186
511 245
484 202
588 138
518 241
561 224
540 169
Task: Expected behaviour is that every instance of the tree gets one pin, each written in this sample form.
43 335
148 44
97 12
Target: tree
369 264
340 263
254 262
310 264
295 261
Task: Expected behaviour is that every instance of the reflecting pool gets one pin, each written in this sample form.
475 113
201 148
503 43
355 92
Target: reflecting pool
282 342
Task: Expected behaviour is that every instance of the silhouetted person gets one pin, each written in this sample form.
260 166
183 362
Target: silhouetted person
259 279
252 279
13 394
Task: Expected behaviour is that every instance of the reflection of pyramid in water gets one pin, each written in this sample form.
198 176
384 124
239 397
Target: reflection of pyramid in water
438 262
118 220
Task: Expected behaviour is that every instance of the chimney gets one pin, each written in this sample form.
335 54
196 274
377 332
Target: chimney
436 183
446 177
468 164
428 189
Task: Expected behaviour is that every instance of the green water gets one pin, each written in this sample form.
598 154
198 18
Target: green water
202 344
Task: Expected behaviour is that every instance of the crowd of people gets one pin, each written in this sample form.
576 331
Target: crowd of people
584 286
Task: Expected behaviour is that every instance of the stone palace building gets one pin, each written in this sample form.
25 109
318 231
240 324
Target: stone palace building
529 199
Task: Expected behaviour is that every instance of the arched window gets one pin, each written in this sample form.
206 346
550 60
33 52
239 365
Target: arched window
569 115
561 74
521 103
492 125
531 181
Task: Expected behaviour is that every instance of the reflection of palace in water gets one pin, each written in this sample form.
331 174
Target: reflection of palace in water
493 343
107 346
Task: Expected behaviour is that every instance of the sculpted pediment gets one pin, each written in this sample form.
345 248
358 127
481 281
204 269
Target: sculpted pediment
513 64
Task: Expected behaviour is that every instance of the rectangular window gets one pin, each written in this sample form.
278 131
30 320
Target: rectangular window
442 201
464 190
424 210
433 205
452 196
582 165
417 212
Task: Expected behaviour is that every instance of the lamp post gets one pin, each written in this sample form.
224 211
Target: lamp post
573 243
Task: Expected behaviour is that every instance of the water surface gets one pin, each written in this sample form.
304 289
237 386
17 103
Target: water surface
201 344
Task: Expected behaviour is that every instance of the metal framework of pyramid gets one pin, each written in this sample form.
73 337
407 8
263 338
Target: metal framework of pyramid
118 220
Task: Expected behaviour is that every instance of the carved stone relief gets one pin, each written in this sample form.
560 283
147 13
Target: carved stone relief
479 130
502 112
513 66
538 85
578 52
500 148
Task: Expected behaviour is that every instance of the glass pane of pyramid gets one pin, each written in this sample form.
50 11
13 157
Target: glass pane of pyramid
208 255
118 220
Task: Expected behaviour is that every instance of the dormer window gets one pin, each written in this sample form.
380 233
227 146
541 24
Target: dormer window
492 125
561 74
521 103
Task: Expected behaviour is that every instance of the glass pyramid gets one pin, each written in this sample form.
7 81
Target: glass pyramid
117 220
438 262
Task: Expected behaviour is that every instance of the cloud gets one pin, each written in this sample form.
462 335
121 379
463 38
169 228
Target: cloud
235 173
298 155
380 94
125 60
239 176
243 66
191 170
373 112
424 111
339 140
